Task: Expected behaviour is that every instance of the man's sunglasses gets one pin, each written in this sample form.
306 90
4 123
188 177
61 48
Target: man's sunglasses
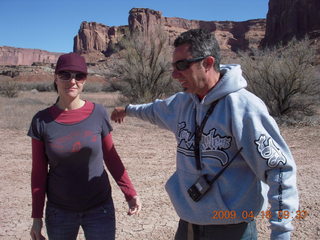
67 76
184 64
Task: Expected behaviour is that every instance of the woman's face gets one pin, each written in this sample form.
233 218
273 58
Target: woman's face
70 84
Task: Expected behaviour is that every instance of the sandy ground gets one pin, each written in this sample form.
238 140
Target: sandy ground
149 156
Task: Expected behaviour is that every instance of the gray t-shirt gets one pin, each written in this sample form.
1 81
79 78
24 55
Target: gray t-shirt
77 179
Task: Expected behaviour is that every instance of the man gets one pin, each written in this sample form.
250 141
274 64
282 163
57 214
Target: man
231 158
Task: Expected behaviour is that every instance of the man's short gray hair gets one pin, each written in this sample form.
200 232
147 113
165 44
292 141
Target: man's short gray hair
202 43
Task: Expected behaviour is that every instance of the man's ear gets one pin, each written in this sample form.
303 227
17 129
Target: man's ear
208 63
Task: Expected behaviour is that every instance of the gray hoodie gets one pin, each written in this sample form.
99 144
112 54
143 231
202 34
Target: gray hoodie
264 171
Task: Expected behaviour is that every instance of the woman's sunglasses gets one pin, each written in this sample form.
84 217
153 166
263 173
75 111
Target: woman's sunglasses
67 76
184 64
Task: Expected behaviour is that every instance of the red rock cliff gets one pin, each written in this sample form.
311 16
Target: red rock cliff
94 36
23 56
232 36
292 18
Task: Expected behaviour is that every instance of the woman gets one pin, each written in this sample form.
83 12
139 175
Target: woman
73 137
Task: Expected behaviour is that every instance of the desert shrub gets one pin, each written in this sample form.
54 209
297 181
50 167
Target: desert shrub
284 77
44 87
93 87
144 68
16 86
115 85
39 86
9 87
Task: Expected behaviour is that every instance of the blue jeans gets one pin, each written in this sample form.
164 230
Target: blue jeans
97 223
241 231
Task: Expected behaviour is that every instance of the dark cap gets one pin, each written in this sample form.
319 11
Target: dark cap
71 62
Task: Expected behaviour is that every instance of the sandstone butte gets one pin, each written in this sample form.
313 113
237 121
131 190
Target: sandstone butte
94 38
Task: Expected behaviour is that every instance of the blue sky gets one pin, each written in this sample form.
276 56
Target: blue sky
52 24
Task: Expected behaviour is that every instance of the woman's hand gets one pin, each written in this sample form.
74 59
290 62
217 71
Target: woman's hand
134 205
36 228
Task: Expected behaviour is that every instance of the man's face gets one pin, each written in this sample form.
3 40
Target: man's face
193 78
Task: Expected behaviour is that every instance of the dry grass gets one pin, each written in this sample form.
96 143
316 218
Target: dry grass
17 113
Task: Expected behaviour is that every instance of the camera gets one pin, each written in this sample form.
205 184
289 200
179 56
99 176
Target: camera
199 188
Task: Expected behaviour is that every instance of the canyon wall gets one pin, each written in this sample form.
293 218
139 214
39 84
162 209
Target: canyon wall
232 36
292 18
24 56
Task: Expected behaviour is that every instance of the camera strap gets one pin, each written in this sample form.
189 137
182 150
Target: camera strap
198 134
223 169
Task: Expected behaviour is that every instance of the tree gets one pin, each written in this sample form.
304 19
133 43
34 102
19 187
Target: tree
144 67
284 77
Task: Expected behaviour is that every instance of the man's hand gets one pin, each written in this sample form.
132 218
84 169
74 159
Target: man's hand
35 231
118 114
134 205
